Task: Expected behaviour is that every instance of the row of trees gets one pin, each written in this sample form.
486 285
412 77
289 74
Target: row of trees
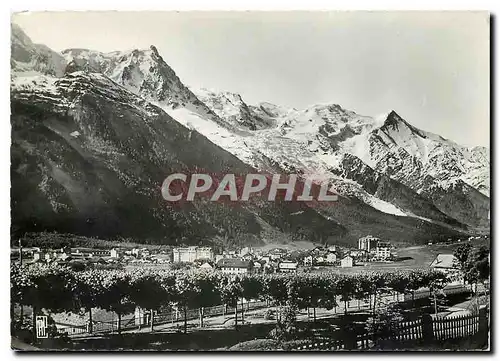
59 289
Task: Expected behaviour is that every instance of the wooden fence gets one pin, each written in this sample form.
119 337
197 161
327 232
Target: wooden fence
455 327
129 322
426 331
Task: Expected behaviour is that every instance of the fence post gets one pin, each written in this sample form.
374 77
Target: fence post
350 338
427 329
483 327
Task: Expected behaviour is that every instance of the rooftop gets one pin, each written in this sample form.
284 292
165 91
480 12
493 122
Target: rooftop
444 260
288 264
234 263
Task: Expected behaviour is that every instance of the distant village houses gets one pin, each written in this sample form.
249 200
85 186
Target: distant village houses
368 243
331 258
287 266
346 261
190 254
383 251
373 248
234 266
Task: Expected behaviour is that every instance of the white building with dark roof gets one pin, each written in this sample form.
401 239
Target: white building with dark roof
346 261
368 243
190 254
448 264
234 266
444 262
287 266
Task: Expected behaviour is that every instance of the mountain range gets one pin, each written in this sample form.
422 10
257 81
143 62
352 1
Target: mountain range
94 135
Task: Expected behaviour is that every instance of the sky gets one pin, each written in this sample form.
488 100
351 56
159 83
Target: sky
432 68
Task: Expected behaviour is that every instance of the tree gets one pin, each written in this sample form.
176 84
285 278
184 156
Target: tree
230 291
152 290
329 294
207 294
286 326
477 267
462 255
252 287
18 282
363 289
44 287
346 288
384 322
417 279
185 291
474 264
275 289
437 282
398 281
88 292
116 293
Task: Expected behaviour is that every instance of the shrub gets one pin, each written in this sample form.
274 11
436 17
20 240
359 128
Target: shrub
384 323
286 327
269 315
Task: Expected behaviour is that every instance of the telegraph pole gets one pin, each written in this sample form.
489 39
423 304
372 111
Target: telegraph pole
20 252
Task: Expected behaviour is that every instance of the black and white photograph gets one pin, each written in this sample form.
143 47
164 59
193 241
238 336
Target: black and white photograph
241 181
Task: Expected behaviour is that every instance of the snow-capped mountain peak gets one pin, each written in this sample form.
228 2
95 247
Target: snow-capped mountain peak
143 72
231 107
27 57
383 162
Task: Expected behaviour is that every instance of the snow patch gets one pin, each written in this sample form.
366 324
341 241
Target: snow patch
384 206
215 133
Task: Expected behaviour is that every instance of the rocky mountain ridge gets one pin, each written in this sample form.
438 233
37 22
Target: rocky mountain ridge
129 120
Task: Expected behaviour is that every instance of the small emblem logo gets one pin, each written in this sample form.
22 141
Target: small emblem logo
41 327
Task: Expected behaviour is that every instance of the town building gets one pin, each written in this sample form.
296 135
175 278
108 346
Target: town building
368 243
206 266
114 253
161 258
275 256
308 260
358 253
234 266
346 261
248 257
444 262
27 252
448 264
257 266
41 256
287 266
383 251
91 252
246 250
190 254
332 248
331 258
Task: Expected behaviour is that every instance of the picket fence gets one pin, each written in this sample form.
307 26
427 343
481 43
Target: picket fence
425 331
